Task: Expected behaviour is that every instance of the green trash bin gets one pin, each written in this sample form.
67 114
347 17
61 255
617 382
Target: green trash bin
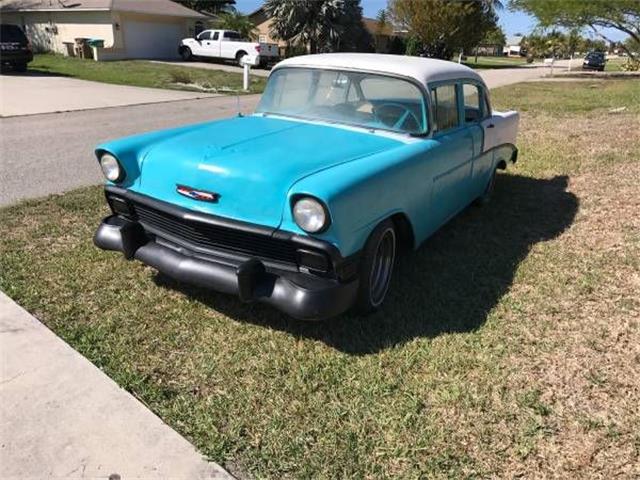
96 42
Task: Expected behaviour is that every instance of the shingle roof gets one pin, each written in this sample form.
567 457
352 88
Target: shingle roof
154 7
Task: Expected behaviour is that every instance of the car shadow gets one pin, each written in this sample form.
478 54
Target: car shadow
450 284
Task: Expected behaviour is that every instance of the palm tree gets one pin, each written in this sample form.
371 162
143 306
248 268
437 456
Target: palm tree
237 22
321 24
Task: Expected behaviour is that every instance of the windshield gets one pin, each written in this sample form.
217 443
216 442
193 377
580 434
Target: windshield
11 33
353 98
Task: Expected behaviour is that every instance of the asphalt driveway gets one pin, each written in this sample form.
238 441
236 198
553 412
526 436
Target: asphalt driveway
36 93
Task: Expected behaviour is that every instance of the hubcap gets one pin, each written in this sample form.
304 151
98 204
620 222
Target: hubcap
382 267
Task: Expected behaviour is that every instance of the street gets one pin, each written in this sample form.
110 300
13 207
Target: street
53 152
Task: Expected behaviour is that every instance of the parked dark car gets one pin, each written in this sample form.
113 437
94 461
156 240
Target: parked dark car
15 48
594 61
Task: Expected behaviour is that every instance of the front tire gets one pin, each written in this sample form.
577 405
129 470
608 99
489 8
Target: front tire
186 54
20 67
376 268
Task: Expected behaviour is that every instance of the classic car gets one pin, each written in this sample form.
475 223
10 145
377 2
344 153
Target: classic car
305 203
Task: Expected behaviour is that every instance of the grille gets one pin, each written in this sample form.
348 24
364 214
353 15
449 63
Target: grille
213 237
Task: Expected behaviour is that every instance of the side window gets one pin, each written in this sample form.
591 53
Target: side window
216 35
472 106
206 35
445 107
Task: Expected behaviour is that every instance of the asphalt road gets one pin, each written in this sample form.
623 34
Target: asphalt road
53 153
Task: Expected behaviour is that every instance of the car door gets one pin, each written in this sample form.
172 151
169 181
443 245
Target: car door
211 45
451 156
476 122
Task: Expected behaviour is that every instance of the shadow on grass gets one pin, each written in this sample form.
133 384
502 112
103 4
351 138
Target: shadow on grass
450 284
32 72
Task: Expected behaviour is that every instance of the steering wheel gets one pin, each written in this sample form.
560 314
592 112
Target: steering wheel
405 114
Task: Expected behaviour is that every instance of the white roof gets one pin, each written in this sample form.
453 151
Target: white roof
424 70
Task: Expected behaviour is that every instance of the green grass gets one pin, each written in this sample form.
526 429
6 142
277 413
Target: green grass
494 62
142 73
508 344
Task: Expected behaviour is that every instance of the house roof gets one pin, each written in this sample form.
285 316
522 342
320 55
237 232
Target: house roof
516 40
152 7
373 26
424 70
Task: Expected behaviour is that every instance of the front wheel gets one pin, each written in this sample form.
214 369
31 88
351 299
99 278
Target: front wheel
186 54
20 67
376 268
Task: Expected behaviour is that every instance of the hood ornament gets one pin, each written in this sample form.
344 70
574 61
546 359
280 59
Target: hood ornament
201 195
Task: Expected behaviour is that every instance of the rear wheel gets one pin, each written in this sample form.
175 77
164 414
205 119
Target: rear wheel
376 268
488 191
239 56
186 54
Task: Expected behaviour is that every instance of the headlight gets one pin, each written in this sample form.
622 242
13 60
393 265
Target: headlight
111 168
310 215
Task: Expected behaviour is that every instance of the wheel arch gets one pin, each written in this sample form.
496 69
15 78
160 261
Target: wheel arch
404 230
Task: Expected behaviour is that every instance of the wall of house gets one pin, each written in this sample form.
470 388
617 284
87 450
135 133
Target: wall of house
146 36
48 31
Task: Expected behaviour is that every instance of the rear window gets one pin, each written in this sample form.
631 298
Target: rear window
232 36
11 33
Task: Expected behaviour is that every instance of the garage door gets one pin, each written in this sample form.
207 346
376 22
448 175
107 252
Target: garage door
151 39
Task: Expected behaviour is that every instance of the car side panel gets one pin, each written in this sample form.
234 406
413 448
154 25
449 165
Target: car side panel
362 193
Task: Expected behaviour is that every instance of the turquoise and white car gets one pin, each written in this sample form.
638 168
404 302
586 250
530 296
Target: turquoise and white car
304 204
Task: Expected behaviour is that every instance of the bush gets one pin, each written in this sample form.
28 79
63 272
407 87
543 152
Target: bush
180 76
631 65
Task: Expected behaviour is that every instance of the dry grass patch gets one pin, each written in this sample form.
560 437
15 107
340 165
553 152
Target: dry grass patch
508 346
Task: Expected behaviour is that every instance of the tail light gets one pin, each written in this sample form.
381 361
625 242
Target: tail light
257 47
28 45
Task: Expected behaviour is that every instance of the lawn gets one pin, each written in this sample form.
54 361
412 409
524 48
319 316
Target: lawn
141 73
509 346
495 62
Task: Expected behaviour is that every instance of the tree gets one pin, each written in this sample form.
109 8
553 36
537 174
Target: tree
324 25
495 36
208 6
237 22
383 21
621 15
444 27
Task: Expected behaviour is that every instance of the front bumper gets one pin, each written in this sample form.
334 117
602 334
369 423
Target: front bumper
302 296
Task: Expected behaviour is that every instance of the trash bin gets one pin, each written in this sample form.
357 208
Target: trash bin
82 48
68 49
96 42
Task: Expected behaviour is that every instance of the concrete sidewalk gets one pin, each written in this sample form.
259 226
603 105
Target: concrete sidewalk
34 93
61 417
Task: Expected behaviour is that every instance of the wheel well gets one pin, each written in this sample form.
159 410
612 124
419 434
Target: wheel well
502 165
404 230
240 54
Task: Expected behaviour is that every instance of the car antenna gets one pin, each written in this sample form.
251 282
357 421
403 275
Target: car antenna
238 105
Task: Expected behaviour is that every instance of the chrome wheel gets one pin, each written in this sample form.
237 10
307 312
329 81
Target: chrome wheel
382 267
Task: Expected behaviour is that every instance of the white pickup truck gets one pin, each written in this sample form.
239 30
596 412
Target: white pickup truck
228 45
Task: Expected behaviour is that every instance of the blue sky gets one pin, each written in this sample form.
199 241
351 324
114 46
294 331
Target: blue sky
511 22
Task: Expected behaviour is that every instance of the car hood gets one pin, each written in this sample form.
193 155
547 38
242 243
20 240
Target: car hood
249 162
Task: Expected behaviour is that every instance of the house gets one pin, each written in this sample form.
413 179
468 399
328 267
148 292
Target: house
512 47
382 37
126 28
